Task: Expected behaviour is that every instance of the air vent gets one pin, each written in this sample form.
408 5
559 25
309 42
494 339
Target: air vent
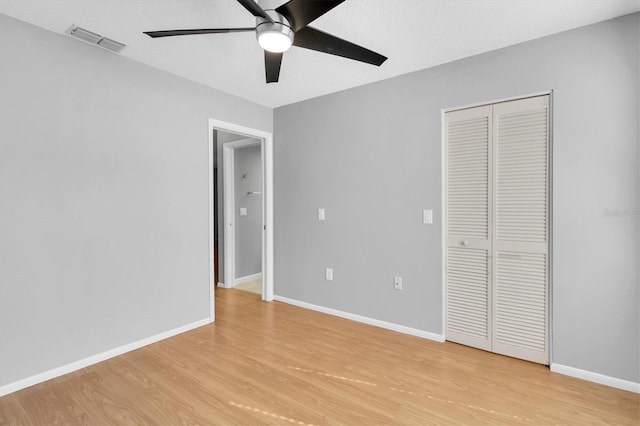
93 38
107 43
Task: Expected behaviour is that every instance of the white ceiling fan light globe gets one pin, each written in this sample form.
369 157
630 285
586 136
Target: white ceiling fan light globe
274 41
276 36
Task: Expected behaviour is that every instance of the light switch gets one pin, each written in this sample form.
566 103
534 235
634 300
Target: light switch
243 211
320 214
427 217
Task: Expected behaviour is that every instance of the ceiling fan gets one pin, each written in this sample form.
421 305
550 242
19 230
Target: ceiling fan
277 30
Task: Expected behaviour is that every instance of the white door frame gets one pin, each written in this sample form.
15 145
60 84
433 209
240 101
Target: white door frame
266 142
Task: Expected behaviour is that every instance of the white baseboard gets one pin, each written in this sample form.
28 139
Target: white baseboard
94 359
222 285
596 378
247 278
359 318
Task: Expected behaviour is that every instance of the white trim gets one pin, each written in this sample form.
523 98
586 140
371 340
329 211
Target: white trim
94 359
596 378
212 266
443 215
267 185
222 285
498 101
229 250
550 224
366 320
247 278
242 143
267 215
212 290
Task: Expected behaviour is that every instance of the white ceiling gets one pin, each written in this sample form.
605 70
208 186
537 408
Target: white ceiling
414 34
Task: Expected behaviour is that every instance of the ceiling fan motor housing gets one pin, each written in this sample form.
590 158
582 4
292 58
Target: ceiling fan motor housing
276 36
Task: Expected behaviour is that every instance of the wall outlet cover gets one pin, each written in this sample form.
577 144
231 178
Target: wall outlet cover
397 283
328 274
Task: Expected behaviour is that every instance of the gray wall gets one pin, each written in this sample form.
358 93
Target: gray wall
248 177
372 157
104 233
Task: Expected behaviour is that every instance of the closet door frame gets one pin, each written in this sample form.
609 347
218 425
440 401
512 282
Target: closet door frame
443 212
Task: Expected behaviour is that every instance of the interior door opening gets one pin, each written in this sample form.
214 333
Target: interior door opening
257 205
242 220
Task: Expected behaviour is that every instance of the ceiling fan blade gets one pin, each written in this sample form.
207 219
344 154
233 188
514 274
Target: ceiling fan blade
300 13
272 63
169 33
311 38
255 9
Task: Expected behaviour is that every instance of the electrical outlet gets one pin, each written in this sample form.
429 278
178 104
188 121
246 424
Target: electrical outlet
328 274
321 214
397 283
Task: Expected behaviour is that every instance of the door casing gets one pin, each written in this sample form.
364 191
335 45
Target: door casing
266 142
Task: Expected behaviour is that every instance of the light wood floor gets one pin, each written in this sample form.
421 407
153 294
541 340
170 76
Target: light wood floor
270 363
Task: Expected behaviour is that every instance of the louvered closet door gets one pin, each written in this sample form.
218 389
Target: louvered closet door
468 224
521 188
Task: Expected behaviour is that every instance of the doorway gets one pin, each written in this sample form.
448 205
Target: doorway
265 141
243 214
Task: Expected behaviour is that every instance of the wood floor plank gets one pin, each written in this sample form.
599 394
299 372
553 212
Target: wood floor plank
11 411
273 364
44 404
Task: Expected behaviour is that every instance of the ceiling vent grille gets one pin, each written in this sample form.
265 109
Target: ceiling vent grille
93 38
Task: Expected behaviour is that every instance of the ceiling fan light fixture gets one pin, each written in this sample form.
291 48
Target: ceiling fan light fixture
278 29
276 36
275 41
